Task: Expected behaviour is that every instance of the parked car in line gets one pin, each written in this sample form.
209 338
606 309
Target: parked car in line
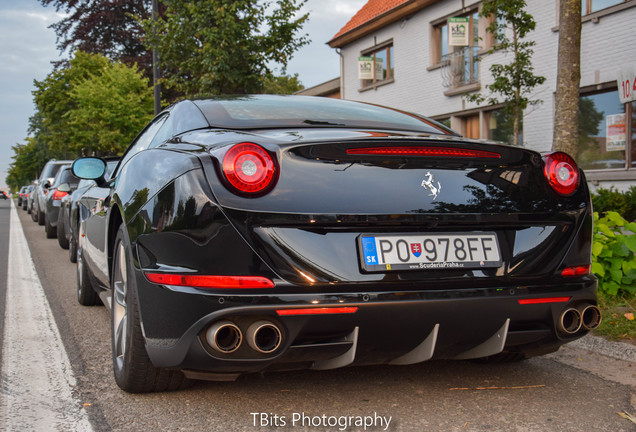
63 184
255 233
21 195
25 198
67 223
3 195
47 175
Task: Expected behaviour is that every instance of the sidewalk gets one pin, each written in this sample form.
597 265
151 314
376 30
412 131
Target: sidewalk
614 361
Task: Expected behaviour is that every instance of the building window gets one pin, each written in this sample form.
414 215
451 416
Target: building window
606 132
459 63
589 6
383 59
501 126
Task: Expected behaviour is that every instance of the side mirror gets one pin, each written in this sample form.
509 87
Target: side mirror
64 187
47 184
90 168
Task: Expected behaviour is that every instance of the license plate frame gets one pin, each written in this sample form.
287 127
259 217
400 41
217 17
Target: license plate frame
437 251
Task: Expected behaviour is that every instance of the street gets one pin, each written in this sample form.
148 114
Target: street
540 394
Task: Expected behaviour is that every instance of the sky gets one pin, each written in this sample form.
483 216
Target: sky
28 46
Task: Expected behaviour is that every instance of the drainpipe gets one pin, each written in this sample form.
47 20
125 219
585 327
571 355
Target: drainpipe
342 87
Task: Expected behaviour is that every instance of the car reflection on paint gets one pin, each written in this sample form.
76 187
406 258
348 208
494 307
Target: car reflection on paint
256 233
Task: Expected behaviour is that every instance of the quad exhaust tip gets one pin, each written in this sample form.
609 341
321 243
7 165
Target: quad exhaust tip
590 317
224 336
570 321
586 317
264 337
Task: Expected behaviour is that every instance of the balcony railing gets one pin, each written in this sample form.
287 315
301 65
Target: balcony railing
460 68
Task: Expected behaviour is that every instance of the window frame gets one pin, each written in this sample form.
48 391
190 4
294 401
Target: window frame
628 171
389 48
586 6
474 50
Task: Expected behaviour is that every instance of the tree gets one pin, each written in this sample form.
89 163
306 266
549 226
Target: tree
107 27
224 46
566 118
28 160
284 84
513 83
94 106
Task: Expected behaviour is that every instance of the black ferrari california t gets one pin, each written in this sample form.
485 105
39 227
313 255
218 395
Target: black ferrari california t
253 233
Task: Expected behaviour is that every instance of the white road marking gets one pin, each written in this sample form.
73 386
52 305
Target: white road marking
37 381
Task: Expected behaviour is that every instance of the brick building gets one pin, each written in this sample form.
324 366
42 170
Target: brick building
403 49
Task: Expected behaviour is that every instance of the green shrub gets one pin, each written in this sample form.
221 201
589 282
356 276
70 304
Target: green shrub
624 203
613 259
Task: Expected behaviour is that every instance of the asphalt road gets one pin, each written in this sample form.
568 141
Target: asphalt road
541 394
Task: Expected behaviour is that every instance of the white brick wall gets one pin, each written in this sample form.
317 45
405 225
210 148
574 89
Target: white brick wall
605 45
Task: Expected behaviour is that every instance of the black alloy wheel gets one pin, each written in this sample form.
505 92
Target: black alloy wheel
133 370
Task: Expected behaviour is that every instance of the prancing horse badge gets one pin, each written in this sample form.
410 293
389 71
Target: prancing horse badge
429 183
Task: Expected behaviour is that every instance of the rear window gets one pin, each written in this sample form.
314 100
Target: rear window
51 169
67 177
270 111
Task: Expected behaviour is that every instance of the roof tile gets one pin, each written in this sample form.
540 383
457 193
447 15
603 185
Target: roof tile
372 9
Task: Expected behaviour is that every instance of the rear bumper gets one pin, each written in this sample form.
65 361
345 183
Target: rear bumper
395 327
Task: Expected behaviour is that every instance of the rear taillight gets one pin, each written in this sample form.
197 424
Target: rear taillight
576 271
249 169
424 151
205 281
562 173
58 195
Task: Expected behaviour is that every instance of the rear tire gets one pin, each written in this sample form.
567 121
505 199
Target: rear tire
61 232
51 231
86 294
133 369
72 249
40 216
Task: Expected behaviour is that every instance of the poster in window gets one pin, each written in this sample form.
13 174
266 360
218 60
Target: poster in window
365 68
458 28
616 132
379 67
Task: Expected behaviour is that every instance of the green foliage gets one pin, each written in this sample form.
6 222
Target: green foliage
284 84
513 82
114 105
28 160
613 259
94 106
91 107
224 46
624 203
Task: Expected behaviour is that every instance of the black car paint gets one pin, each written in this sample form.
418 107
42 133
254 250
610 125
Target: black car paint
180 217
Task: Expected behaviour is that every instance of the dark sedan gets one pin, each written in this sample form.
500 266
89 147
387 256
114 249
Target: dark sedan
63 184
260 233
68 216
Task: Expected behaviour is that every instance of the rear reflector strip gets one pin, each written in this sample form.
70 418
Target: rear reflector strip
224 282
318 311
544 300
424 151
576 271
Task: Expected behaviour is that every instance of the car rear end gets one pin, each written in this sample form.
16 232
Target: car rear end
374 248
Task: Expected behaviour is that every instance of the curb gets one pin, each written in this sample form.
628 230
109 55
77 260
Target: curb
599 345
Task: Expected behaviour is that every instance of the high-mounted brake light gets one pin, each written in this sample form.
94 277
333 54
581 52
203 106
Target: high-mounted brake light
249 169
562 173
424 151
221 282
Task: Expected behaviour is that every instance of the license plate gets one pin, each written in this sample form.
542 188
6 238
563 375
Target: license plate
429 251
